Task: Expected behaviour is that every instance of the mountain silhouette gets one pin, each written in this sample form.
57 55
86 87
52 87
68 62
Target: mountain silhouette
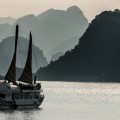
7 45
51 28
5 31
56 56
65 46
95 58
8 20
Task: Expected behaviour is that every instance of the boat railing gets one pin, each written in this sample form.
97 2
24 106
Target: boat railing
30 86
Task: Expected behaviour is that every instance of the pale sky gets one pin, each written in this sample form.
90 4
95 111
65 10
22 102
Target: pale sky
18 8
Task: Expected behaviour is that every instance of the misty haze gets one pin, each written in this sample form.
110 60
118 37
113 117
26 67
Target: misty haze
60 64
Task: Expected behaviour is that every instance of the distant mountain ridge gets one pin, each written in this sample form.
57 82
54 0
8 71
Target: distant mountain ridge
8 20
56 56
50 29
5 31
65 46
7 45
97 54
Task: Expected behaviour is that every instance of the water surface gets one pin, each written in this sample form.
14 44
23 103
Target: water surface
73 101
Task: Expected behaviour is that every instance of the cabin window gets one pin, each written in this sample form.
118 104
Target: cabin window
12 96
25 95
36 95
28 95
31 95
2 95
17 96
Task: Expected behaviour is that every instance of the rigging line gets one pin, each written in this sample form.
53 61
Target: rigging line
36 63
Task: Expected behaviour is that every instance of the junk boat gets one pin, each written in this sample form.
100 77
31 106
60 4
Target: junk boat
23 93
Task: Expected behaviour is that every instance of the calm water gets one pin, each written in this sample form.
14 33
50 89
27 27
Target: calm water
73 101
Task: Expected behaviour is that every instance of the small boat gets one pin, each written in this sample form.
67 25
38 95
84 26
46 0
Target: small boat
24 93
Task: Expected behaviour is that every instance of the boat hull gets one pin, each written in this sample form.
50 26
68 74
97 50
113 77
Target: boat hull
7 105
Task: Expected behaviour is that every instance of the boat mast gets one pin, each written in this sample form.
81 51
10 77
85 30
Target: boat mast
11 73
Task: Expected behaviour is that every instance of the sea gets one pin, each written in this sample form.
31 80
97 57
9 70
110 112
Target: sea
73 101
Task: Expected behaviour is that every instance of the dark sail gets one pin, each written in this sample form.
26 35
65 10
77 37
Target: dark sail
11 74
27 72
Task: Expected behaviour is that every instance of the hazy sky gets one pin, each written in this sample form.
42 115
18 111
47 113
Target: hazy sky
18 8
